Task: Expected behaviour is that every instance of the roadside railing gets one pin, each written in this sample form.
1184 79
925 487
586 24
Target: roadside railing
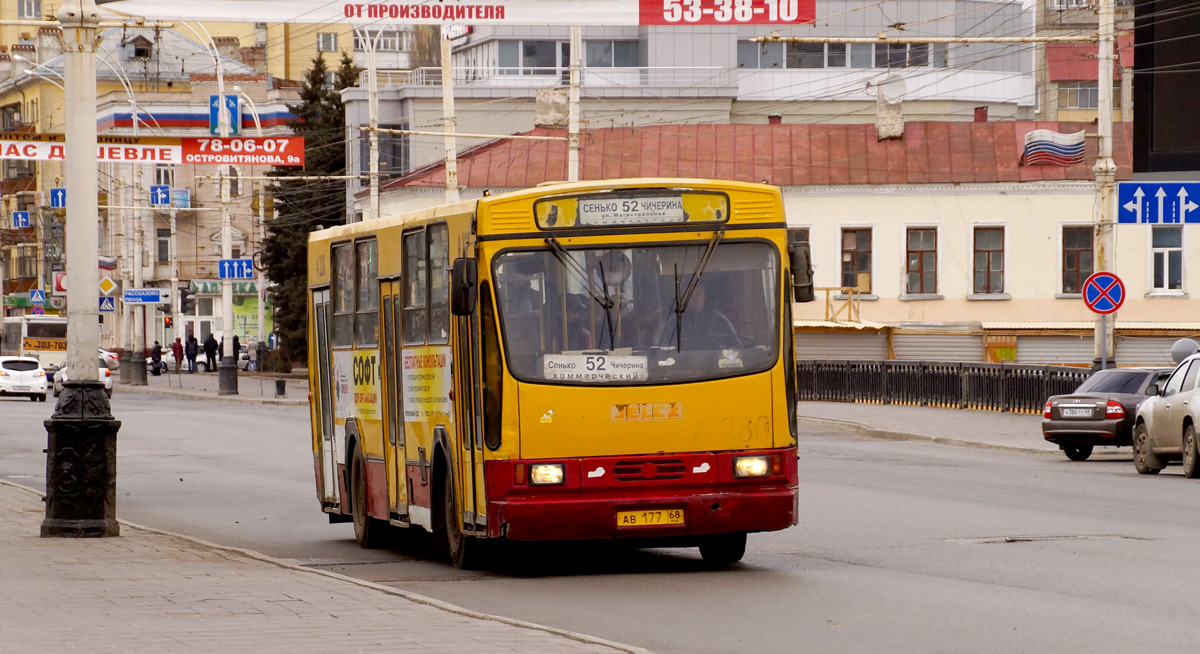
989 386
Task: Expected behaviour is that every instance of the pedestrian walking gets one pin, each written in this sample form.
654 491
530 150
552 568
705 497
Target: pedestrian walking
237 350
252 354
210 353
191 350
177 353
156 363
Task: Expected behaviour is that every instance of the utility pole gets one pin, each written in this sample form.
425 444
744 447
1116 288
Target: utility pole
227 382
1106 172
448 121
137 369
573 107
262 277
81 490
127 357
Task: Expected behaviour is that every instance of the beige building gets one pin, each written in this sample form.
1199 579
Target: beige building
950 249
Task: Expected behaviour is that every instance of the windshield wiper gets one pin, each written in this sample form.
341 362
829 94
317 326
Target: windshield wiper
681 303
601 297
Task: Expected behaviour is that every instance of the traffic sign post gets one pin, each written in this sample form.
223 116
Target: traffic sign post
160 195
20 219
1104 293
108 304
37 296
145 296
58 198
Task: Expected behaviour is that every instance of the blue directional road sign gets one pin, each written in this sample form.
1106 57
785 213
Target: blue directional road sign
58 198
236 269
160 196
1154 202
143 296
37 296
108 304
20 219
231 105
272 340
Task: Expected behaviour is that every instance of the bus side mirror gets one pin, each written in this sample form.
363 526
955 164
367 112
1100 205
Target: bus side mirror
464 286
802 272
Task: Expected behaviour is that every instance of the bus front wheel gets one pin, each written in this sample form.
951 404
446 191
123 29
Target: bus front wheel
723 549
464 552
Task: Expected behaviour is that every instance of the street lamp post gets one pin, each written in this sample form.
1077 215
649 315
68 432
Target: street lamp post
81 453
261 285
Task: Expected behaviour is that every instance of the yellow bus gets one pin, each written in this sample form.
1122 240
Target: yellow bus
585 360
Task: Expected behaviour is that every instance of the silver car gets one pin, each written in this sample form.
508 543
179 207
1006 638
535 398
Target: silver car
1165 426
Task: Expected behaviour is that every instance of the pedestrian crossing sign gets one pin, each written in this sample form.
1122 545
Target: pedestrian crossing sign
37 296
108 304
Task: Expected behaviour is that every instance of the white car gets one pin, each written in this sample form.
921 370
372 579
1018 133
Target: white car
61 376
23 376
110 359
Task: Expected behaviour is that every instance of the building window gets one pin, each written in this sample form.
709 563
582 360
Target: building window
797 235
759 55
164 245
10 116
29 8
1167 258
611 54
1084 95
235 183
164 175
531 57
27 261
856 259
1060 5
922 260
327 41
1076 258
385 40
989 260
393 152
805 55
901 55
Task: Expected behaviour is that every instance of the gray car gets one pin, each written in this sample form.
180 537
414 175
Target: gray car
1100 412
1165 424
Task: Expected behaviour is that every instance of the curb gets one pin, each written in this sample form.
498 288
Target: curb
145 390
412 597
888 435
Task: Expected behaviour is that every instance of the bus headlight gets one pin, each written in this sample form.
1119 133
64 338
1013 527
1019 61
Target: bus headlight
546 474
751 466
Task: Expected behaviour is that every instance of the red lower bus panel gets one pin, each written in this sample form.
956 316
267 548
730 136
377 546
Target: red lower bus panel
586 507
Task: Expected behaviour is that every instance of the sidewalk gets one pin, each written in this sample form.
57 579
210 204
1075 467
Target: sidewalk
150 591
1019 432
253 388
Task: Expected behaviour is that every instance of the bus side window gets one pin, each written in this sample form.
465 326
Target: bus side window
415 289
439 284
493 374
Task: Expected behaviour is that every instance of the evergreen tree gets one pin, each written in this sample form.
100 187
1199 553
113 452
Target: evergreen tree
302 206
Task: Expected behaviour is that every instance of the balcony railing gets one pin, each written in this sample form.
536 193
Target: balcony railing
990 386
667 77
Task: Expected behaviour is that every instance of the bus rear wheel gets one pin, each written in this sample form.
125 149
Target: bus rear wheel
723 549
368 531
465 553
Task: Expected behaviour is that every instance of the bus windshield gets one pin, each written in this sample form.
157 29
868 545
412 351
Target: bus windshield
618 316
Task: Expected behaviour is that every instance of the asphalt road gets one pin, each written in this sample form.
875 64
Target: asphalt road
902 547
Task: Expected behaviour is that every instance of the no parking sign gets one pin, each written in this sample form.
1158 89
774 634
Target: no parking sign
1104 293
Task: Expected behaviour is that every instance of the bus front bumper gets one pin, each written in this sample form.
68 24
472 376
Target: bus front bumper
583 518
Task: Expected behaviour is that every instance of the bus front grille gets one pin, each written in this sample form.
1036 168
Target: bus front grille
649 470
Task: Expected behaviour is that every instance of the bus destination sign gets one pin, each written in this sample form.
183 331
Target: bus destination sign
610 210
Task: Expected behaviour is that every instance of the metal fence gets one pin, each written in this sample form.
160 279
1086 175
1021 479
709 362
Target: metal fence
990 386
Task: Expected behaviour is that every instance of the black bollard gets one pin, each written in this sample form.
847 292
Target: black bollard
81 464
227 376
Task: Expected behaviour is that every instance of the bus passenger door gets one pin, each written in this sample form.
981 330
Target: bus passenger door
467 416
331 490
393 411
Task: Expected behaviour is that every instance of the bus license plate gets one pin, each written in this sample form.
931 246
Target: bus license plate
650 518
1077 413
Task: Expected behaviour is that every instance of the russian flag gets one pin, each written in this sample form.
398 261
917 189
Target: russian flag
107 263
1047 147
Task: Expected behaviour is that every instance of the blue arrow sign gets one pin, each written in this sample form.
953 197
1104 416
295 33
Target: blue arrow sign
108 304
236 269
231 105
20 219
142 296
1159 203
37 296
160 196
58 198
